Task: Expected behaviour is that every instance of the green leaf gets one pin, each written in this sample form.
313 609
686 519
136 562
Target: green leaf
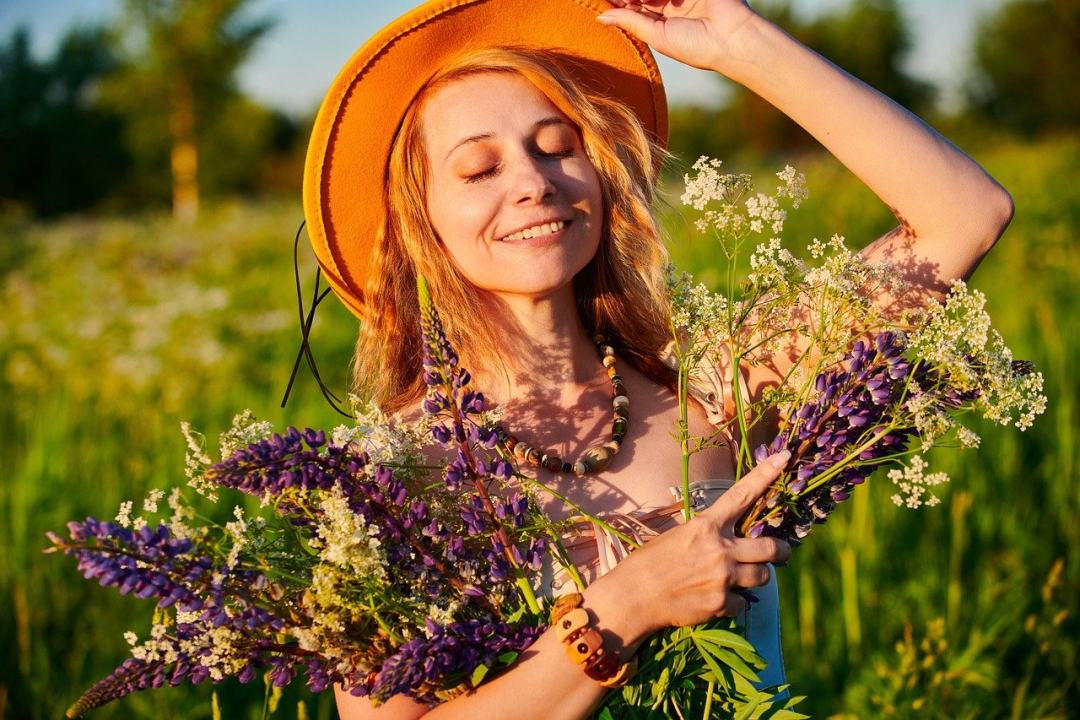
725 638
508 657
749 709
478 674
707 656
737 664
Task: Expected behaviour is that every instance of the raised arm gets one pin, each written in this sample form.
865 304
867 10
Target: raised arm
950 211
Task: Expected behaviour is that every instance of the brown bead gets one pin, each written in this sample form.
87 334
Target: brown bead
622 675
602 665
519 451
551 463
617 388
612 372
608 361
533 457
622 411
584 646
511 442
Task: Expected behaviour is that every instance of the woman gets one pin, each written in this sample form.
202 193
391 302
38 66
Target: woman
521 190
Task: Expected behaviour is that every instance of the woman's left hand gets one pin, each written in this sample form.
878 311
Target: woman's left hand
700 33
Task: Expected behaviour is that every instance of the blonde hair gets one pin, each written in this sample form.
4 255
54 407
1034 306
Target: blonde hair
620 293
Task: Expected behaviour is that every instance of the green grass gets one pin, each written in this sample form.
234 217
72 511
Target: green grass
115 330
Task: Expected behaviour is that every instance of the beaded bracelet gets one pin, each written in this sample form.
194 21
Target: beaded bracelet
585 646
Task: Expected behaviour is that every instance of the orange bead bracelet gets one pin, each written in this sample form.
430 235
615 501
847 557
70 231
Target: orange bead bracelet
585 645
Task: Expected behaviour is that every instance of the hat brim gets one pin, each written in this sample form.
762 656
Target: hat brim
346 165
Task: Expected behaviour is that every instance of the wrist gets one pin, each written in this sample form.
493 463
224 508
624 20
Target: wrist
745 47
623 620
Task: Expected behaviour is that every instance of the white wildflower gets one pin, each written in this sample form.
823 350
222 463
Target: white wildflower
150 504
181 514
237 530
245 430
196 462
123 518
914 484
346 539
968 438
794 186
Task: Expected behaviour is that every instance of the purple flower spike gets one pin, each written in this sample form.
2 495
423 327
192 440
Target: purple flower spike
854 403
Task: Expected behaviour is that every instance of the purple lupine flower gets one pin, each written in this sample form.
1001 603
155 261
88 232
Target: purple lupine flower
421 666
853 405
148 562
295 459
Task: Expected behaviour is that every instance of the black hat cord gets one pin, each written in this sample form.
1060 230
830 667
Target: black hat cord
307 319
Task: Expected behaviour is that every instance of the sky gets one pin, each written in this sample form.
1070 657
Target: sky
295 63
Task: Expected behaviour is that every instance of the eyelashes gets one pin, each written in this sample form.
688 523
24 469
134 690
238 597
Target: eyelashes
490 172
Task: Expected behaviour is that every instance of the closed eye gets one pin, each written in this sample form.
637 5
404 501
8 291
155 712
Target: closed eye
481 175
484 174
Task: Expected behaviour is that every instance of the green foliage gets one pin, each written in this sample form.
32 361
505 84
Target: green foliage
176 85
60 148
1025 57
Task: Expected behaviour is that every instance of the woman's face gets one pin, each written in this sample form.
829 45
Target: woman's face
511 194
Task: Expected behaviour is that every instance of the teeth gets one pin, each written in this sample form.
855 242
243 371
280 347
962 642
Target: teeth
536 230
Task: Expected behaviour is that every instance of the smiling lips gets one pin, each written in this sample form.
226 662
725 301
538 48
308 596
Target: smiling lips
536 230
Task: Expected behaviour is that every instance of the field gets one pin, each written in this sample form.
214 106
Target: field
114 330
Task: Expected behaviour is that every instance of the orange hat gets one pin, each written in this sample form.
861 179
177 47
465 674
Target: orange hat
345 170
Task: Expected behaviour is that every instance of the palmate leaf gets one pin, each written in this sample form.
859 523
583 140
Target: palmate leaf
699 672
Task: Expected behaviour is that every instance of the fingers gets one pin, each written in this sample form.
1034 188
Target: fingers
749 488
734 604
761 550
641 24
748 575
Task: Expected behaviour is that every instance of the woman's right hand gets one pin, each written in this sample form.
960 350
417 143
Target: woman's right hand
686 575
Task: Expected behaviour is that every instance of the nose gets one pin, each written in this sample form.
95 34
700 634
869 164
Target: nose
532 183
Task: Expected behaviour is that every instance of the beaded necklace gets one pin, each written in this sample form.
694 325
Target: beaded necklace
596 458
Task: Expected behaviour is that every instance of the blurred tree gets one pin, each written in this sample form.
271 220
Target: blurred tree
868 38
61 150
1026 55
177 89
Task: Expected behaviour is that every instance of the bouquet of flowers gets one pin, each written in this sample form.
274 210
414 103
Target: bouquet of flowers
877 371
401 557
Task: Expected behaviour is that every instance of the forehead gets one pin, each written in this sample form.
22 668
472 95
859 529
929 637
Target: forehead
490 102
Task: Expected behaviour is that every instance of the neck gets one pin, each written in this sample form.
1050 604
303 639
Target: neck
548 352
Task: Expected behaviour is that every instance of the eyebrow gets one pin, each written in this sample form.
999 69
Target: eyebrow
484 136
